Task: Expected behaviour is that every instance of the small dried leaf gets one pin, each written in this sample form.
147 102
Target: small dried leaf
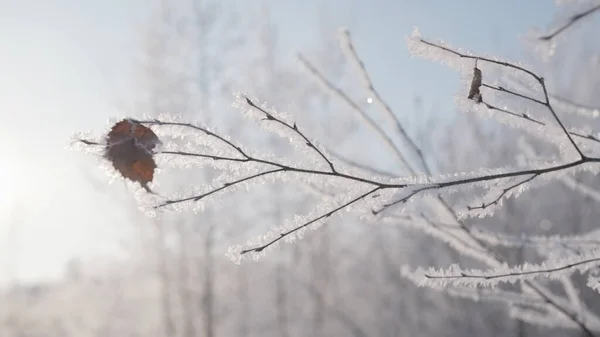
474 92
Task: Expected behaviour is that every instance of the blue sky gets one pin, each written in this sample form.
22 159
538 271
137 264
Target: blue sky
64 64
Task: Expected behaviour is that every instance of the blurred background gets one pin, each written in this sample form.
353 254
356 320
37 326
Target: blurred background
77 258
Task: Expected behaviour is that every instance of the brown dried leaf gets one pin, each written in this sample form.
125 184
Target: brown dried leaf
127 129
474 92
129 149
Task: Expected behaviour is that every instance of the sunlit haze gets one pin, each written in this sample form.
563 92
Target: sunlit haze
65 67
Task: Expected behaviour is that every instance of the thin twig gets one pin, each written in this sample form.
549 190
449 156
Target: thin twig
514 93
202 155
401 200
571 21
527 117
573 103
517 241
89 142
519 115
480 58
356 108
294 128
447 228
198 128
213 191
308 223
549 106
372 170
504 191
379 100
516 273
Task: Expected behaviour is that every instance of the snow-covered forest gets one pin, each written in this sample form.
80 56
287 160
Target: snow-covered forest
278 195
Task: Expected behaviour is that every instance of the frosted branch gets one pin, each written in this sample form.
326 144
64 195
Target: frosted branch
304 225
294 128
504 192
527 117
537 78
548 269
